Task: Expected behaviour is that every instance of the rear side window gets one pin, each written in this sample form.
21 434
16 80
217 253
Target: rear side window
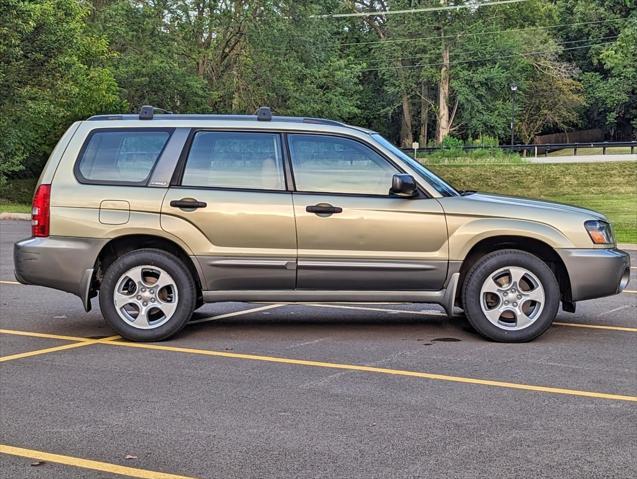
120 156
226 159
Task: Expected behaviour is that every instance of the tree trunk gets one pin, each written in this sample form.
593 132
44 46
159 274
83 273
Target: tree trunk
406 134
444 125
424 116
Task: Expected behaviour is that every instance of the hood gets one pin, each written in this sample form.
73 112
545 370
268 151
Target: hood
500 201
487 205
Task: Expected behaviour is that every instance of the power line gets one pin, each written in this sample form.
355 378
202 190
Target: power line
423 65
417 10
612 37
491 32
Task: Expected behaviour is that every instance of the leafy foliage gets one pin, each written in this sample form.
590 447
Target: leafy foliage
53 72
418 76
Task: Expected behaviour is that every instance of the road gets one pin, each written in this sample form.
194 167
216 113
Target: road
582 159
344 391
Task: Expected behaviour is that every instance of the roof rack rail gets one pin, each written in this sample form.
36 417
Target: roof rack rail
322 121
147 112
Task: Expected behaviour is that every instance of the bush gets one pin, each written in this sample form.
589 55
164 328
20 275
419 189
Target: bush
453 144
452 151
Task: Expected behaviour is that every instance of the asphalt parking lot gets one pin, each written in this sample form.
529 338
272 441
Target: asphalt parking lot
255 390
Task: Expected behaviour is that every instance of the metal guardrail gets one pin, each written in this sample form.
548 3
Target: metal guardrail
536 150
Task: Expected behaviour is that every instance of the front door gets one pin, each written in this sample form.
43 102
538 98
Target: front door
232 209
352 234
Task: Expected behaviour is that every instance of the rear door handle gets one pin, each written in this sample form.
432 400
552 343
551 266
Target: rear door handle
187 203
323 209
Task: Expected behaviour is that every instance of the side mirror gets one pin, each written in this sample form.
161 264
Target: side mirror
404 185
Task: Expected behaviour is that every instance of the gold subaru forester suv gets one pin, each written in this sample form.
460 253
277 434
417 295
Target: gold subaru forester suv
160 213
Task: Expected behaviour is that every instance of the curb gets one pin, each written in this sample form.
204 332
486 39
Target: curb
15 216
628 246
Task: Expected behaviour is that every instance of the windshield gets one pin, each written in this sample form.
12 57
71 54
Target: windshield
440 185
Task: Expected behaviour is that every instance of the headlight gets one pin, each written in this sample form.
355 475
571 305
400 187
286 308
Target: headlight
599 231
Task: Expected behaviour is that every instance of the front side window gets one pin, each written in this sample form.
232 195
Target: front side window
226 159
440 185
121 156
332 164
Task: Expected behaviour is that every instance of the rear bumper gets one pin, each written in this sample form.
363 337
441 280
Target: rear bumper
62 263
595 273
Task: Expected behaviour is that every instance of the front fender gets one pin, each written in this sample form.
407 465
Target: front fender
464 235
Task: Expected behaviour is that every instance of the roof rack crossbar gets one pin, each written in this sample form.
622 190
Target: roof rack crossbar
147 112
264 114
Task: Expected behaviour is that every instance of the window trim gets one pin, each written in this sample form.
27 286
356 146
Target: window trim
78 159
422 194
178 175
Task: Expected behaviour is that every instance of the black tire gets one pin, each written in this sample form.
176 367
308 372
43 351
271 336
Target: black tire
185 285
491 263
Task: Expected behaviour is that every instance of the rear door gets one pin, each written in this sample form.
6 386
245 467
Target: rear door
352 233
230 205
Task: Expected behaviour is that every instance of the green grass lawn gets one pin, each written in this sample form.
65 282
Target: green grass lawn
8 207
15 196
610 188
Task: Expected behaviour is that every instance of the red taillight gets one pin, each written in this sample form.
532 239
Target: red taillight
40 213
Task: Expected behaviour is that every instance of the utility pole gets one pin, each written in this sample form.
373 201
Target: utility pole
514 89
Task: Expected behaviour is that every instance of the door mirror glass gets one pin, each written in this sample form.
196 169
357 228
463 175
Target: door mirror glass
404 185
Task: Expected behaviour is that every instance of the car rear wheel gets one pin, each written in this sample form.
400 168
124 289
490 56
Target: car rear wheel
147 295
511 296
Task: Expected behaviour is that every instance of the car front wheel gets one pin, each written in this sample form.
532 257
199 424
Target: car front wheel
511 296
147 295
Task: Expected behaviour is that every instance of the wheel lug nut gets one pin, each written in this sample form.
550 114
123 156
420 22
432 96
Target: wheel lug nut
139 297
143 290
152 300
145 303
519 296
506 302
150 291
506 294
515 304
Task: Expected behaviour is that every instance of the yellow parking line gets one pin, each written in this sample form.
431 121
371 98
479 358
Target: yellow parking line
629 291
9 282
440 313
34 334
63 347
598 326
87 464
236 313
372 369
302 362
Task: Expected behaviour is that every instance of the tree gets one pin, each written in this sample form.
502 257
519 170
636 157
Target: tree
52 73
605 34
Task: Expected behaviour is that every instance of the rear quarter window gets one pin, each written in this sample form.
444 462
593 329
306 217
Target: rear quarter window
120 156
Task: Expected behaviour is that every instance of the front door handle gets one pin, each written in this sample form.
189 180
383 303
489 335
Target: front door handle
188 204
323 209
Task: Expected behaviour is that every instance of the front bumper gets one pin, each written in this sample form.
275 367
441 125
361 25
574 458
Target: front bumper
62 263
595 273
